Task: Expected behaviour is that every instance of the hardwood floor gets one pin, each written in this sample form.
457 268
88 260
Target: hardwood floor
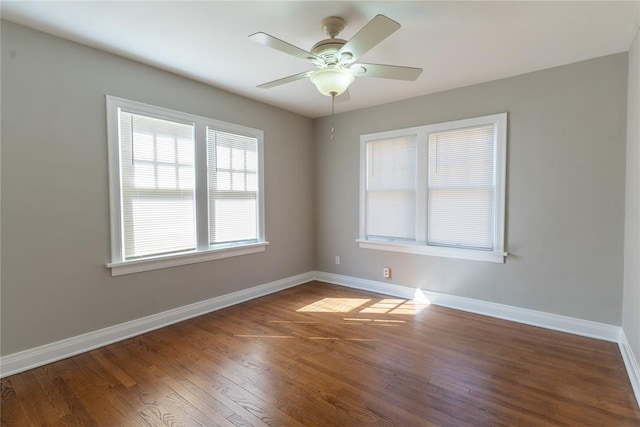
323 355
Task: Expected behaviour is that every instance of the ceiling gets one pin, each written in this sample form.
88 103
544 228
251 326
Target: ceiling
456 43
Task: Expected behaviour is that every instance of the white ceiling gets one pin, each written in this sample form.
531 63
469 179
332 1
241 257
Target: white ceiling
457 43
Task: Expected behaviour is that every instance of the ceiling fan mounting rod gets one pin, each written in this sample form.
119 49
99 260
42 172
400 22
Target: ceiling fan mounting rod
332 25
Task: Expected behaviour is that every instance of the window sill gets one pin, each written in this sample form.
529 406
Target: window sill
148 264
468 254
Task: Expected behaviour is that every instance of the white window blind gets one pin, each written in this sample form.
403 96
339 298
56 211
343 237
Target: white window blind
158 199
391 188
183 188
436 189
461 190
233 166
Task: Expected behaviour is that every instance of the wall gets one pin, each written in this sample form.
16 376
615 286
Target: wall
55 224
565 191
631 302
565 202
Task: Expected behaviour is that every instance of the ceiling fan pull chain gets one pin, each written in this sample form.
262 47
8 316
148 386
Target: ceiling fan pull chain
333 103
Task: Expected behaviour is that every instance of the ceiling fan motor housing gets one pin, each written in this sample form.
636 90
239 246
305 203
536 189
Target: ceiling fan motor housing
327 49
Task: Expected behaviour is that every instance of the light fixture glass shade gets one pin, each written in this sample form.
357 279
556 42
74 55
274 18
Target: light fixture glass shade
332 81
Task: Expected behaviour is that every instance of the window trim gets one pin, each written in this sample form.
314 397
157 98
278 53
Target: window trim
204 251
421 247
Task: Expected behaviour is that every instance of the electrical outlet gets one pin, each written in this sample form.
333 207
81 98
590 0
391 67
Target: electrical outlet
386 272
337 259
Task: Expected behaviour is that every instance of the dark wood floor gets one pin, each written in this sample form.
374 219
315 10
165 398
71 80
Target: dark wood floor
323 355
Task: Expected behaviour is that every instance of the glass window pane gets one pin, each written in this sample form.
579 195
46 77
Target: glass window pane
167 178
143 146
252 182
223 157
461 188
233 220
159 225
185 178
144 176
238 182
391 188
252 161
185 151
237 157
461 218
391 214
222 181
165 149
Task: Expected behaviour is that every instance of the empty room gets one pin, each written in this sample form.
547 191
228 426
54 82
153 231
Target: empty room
320 213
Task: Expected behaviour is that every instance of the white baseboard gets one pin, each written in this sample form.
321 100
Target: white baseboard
631 363
555 322
48 353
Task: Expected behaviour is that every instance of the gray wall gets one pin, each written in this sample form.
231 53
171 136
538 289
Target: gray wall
565 197
565 208
55 224
631 305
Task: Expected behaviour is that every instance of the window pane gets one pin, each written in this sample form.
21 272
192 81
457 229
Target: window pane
391 188
158 201
144 175
392 164
391 214
461 218
252 161
185 178
233 220
223 157
237 159
166 149
185 151
238 181
461 190
160 226
233 207
252 182
143 146
167 178
222 181
462 157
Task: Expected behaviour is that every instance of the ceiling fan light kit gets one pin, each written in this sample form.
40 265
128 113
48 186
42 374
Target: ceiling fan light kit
336 59
332 81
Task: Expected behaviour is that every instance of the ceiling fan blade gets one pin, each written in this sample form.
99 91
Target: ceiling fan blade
386 71
282 46
376 30
284 80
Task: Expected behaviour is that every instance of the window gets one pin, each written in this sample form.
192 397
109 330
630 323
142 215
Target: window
183 188
436 189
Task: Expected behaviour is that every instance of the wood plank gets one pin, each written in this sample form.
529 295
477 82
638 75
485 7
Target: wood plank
320 354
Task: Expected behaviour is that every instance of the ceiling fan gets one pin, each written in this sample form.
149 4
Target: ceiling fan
336 60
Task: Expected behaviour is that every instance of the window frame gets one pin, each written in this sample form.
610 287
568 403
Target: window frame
203 251
421 246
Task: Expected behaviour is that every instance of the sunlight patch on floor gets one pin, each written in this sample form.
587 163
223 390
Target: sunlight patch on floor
409 307
334 305
383 306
